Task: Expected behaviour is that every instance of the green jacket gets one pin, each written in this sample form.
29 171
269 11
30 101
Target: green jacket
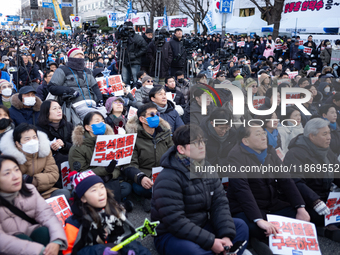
81 152
148 149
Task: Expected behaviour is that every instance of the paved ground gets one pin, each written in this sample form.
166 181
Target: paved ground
138 215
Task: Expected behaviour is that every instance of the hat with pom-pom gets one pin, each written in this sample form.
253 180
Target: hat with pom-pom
82 181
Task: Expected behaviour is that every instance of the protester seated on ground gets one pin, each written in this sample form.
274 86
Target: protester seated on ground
31 148
221 137
312 148
264 84
194 109
326 90
328 112
53 66
192 207
98 222
84 141
166 108
6 90
250 83
116 114
317 96
44 234
6 123
303 82
177 95
153 140
251 199
291 128
53 123
142 94
270 125
138 84
42 90
25 106
183 85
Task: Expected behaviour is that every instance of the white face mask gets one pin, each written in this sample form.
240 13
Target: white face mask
328 89
7 92
149 86
314 64
31 146
29 101
329 46
280 59
106 61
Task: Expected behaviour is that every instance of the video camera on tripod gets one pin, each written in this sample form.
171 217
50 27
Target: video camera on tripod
191 45
124 32
90 31
160 37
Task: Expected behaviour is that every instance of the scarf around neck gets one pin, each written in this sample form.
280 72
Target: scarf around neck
77 64
272 137
260 156
161 109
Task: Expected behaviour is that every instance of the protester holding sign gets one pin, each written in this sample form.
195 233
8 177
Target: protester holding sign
116 114
153 140
40 231
84 144
98 222
311 149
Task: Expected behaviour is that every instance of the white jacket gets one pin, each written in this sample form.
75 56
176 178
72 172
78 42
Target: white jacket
288 133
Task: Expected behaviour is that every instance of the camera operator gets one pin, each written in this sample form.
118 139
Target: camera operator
179 55
166 56
145 64
28 73
135 48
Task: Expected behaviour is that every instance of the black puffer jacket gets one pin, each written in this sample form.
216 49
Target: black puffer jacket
137 46
184 205
311 188
258 196
166 58
178 53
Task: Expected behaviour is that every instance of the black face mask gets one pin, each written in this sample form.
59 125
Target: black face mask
4 123
181 80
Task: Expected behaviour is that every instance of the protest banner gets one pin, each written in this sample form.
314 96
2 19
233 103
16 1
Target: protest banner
278 46
292 74
65 170
110 147
133 91
60 207
313 80
295 237
241 44
115 85
292 95
333 203
216 70
307 50
300 42
132 112
258 101
312 69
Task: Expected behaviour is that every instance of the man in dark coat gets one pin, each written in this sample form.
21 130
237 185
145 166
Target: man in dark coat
191 206
221 137
178 52
312 149
42 90
252 195
145 64
177 95
28 74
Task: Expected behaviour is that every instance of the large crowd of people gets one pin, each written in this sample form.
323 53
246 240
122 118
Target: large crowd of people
52 110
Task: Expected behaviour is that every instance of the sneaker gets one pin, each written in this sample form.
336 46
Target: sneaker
128 205
146 202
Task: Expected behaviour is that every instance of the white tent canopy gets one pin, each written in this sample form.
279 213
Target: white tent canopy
239 25
309 25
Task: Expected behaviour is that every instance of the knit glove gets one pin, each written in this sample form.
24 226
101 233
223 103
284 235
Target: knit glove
111 167
321 208
108 251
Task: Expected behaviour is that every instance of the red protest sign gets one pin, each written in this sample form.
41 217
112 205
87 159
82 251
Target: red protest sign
113 147
155 172
258 101
333 203
241 44
294 236
65 170
133 91
301 42
60 207
307 50
115 85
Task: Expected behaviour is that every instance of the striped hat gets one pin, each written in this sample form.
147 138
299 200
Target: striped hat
74 51
3 82
83 181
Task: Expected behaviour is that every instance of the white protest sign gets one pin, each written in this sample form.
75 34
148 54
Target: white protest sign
292 74
295 237
155 172
307 50
132 112
110 147
258 101
65 170
115 85
333 203
241 44
60 207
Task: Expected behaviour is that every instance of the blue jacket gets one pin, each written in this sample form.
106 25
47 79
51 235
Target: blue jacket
172 117
5 76
19 114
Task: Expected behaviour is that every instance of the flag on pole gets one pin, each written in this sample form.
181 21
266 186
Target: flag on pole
165 19
129 10
216 70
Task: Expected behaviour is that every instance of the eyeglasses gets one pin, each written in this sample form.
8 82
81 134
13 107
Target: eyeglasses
6 60
222 75
149 81
254 86
197 143
152 114
118 102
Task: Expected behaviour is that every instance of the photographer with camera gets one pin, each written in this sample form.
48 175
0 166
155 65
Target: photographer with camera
179 54
159 55
130 48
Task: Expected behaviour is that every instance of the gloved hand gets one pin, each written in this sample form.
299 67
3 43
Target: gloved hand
111 167
131 252
321 208
108 251
75 94
100 103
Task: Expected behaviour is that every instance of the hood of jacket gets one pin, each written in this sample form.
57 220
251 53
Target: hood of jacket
133 125
11 149
79 134
18 104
